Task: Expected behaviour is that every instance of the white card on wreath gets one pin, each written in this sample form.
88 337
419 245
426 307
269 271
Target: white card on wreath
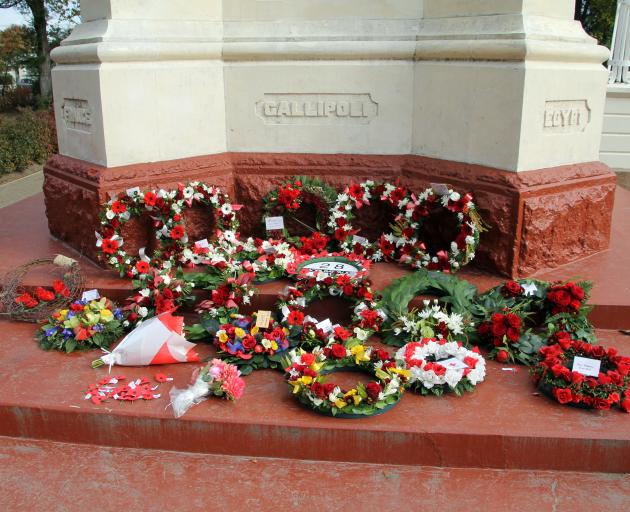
586 366
359 240
453 364
274 223
90 295
202 244
325 325
133 191
441 189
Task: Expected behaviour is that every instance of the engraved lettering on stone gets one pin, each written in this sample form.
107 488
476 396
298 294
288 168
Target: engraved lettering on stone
316 109
77 114
570 116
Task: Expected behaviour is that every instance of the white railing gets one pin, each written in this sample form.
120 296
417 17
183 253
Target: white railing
619 64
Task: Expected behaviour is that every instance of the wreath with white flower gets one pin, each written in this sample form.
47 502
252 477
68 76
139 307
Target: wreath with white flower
438 366
307 331
358 196
306 371
411 236
175 240
117 212
296 195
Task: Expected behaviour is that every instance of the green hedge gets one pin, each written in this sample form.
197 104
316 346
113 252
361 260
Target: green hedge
26 138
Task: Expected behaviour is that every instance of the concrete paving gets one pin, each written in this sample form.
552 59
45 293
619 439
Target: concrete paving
21 188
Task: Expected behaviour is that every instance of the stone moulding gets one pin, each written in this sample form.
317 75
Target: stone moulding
539 219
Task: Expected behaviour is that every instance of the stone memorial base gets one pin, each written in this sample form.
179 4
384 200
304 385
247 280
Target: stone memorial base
538 219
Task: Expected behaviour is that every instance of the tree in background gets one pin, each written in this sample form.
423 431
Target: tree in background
17 49
46 17
598 18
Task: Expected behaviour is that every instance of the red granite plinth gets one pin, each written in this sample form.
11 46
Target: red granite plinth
538 219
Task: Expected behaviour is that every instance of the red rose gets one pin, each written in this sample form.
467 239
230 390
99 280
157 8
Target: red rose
512 289
614 398
625 405
318 390
513 334
249 342
296 318
598 352
513 320
338 351
502 356
373 389
602 404
150 198
177 232
341 333
563 395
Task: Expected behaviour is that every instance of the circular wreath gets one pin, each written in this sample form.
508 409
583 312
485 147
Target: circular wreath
331 263
242 343
173 235
519 317
295 194
439 366
411 236
554 376
355 197
452 322
306 331
306 371
116 213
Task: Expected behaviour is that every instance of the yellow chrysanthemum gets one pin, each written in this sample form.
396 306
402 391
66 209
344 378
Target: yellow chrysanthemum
340 404
223 337
239 332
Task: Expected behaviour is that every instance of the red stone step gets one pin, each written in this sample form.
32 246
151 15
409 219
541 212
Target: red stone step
44 475
503 425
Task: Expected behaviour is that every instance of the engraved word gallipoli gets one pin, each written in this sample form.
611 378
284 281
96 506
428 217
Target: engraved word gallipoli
316 109
566 116
77 114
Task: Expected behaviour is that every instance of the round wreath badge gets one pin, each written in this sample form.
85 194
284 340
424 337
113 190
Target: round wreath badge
174 235
306 371
411 239
561 374
306 331
293 197
519 317
354 198
332 264
438 366
120 210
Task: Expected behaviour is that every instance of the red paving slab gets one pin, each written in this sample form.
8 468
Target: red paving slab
52 476
504 424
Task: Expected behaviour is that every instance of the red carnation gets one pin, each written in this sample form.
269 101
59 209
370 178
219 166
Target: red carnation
373 389
109 246
60 288
338 351
177 232
44 295
308 359
142 267
296 318
27 300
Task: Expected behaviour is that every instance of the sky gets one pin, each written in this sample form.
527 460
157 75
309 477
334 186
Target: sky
10 17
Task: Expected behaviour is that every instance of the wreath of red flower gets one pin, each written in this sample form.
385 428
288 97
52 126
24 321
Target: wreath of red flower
554 376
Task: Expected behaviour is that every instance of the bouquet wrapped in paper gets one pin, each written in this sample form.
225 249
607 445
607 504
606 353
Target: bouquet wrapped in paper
155 341
218 378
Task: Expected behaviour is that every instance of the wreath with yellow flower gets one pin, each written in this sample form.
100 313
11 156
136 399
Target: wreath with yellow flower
307 331
306 374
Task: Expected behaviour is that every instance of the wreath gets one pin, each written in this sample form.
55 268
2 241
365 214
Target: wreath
307 331
453 322
331 263
411 239
174 236
244 343
83 325
355 197
120 210
519 317
296 195
306 371
225 301
557 376
438 366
